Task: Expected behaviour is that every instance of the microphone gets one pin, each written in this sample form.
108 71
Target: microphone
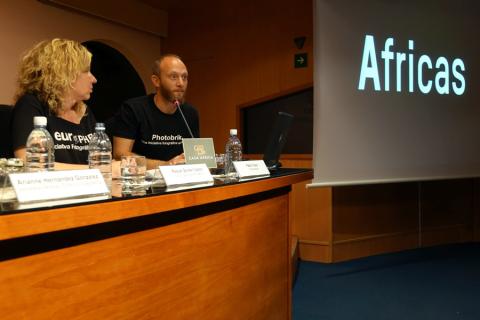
177 103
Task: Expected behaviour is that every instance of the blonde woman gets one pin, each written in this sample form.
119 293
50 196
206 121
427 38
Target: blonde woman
54 81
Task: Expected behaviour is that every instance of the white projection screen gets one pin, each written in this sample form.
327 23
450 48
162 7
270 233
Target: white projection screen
396 91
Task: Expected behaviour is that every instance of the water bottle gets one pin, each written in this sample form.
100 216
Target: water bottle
233 152
39 148
100 153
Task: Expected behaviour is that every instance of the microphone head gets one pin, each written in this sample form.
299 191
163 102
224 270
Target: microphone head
176 103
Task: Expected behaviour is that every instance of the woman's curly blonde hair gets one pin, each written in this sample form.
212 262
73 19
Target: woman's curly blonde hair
50 68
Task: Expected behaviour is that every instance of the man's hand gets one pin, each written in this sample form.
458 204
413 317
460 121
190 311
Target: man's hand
180 159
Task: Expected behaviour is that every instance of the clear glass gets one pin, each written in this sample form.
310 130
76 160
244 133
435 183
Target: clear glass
7 194
220 169
132 172
3 178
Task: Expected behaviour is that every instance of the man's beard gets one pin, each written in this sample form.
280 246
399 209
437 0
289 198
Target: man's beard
172 96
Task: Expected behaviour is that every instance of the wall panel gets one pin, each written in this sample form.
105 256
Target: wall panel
239 51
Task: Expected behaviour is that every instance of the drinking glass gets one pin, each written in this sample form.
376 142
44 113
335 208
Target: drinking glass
7 195
220 160
132 171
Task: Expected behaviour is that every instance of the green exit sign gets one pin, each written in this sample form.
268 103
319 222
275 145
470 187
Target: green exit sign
301 60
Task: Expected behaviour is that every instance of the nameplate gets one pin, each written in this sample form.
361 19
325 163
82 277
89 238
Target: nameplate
55 185
251 169
199 150
186 174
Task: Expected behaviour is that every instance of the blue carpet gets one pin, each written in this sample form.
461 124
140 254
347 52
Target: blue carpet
430 283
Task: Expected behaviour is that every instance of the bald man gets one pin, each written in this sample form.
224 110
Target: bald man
153 125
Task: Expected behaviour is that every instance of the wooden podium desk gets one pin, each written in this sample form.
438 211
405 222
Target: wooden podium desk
219 252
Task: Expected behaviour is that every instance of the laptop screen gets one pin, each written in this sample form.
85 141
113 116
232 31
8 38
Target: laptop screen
277 139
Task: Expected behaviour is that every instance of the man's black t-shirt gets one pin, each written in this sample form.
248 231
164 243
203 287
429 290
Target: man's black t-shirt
70 139
157 135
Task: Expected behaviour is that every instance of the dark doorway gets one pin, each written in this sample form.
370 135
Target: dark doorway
117 80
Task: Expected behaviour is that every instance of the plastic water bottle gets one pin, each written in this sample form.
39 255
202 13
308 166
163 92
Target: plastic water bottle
39 147
100 153
233 152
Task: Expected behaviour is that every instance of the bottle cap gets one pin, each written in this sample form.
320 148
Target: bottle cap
100 125
233 132
39 121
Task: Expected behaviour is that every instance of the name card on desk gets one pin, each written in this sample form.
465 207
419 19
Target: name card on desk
186 174
199 150
54 185
251 169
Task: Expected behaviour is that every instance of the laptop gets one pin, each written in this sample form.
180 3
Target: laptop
277 139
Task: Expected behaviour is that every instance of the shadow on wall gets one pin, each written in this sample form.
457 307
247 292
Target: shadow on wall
117 80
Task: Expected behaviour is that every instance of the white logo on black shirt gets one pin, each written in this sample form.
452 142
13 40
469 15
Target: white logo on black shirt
164 140
166 137
69 141
69 137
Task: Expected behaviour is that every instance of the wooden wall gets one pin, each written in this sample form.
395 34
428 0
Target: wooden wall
237 52
341 223
240 52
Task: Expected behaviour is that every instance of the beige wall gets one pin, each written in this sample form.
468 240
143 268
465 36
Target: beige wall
25 22
130 13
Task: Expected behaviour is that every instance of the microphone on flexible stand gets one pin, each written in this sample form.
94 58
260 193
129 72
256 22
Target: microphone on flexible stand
177 103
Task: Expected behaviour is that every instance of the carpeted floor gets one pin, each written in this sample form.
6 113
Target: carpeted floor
430 283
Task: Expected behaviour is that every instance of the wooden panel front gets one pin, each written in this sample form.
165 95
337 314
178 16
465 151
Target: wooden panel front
228 265
374 219
447 211
476 210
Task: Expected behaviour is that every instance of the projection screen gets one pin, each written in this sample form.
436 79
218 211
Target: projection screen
396 91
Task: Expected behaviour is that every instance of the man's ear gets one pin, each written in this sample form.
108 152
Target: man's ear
155 80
